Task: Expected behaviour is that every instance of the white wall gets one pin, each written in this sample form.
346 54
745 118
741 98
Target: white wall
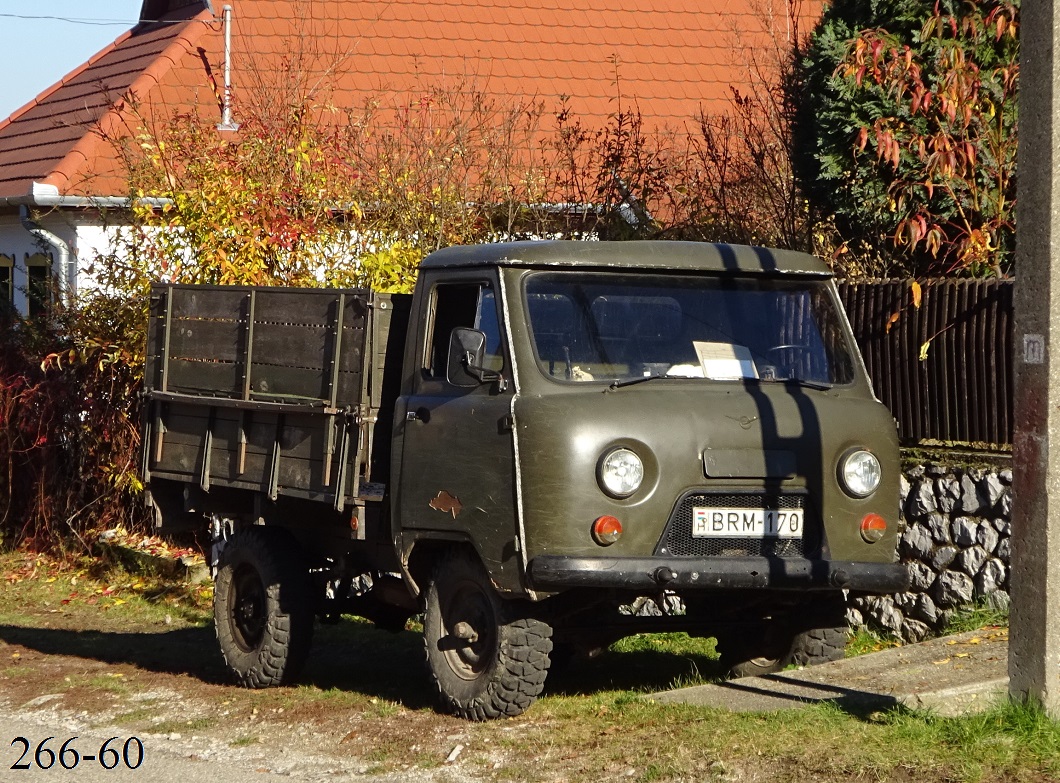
82 230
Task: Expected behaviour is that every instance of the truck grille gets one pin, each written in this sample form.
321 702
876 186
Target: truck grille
677 539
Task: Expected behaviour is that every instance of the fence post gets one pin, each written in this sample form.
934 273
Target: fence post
1034 650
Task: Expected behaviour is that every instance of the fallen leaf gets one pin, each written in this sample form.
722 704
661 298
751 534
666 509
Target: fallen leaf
939 663
454 754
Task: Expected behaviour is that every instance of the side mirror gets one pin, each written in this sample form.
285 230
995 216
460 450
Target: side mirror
467 347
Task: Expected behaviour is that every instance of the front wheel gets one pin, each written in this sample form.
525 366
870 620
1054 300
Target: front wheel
262 608
488 657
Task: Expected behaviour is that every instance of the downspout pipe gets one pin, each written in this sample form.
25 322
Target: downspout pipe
67 262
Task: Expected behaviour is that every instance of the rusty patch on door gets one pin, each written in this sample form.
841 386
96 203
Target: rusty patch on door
446 503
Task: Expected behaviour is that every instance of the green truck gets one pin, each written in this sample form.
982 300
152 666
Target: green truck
542 434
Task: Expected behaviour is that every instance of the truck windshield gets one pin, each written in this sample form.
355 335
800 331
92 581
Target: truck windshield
606 327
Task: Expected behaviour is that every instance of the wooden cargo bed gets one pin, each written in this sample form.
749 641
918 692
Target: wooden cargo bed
276 390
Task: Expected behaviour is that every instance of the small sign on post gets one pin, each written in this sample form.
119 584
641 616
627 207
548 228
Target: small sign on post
1033 349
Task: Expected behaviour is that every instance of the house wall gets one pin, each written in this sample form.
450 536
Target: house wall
83 231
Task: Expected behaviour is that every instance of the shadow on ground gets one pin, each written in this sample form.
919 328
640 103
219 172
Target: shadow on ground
349 656
353 656
643 670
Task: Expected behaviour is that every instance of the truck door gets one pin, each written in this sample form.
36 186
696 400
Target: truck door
457 464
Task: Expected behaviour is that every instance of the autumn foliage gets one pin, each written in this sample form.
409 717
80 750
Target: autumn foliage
68 432
908 131
951 150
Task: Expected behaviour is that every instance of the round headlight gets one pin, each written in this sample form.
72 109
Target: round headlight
860 473
621 472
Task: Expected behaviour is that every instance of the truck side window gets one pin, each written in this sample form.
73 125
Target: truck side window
472 305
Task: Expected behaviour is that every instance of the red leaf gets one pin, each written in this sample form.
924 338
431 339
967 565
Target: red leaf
877 48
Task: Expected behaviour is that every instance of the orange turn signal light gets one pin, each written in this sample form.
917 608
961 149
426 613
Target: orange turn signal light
873 526
606 530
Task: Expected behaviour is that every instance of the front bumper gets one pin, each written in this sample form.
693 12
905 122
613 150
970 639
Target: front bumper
551 573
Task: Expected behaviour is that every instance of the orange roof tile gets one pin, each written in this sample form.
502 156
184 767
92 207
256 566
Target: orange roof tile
670 62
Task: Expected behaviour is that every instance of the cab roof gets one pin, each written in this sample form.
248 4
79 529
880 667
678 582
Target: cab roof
642 254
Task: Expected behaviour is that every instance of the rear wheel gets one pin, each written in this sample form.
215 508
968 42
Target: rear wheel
262 609
488 657
773 646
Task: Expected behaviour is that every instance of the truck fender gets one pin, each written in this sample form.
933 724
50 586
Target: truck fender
419 555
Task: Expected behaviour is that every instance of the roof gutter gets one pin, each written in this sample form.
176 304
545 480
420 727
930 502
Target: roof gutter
41 195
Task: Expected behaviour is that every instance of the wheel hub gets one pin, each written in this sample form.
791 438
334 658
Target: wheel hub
247 609
472 628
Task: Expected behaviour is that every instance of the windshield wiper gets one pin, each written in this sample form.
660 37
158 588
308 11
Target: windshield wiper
804 382
619 383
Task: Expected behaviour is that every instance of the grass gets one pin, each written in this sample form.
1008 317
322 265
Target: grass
968 618
971 618
182 726
138 715
822 742
113 682
863 641
41 591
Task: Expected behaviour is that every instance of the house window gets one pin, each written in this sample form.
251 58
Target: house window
7 283
38 283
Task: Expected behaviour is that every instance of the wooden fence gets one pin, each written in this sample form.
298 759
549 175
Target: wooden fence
943 368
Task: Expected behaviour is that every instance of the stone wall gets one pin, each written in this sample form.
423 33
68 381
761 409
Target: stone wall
956 543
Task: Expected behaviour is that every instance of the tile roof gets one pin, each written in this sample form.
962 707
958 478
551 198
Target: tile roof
671 62
51 140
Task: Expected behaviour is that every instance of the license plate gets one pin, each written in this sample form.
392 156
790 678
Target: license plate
746 523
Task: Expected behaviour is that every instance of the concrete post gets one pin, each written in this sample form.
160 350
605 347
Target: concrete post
1034 649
